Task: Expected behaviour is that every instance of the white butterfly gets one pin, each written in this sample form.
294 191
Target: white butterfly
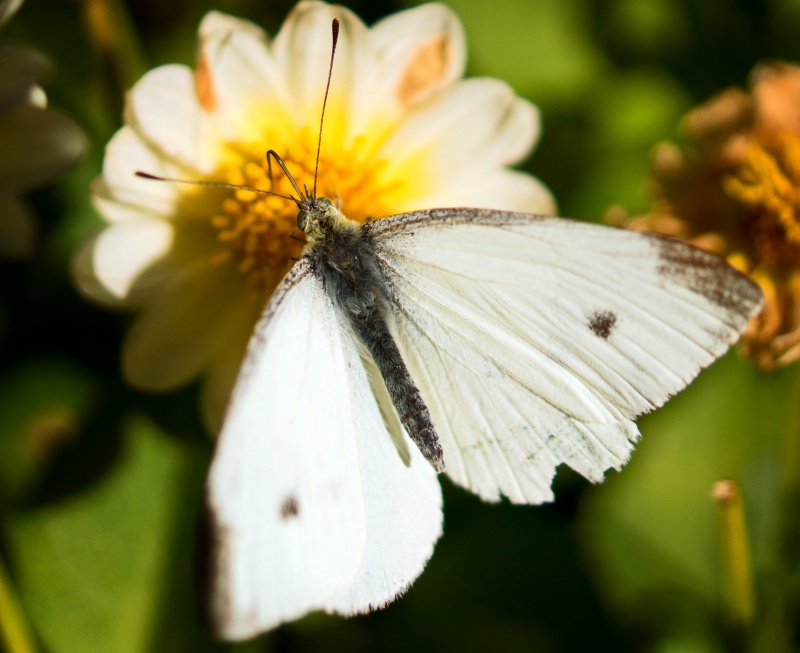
533 341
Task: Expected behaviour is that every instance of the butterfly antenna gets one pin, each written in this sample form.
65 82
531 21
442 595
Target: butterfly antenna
272 154
335 37
218 184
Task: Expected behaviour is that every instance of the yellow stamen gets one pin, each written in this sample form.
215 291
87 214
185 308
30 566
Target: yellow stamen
260 231
740 261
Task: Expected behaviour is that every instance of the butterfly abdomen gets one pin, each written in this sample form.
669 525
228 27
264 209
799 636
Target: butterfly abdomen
345 262
413 413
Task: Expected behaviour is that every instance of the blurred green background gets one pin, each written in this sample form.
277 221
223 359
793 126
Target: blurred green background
100 486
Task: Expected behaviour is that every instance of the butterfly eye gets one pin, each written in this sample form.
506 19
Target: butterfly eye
302 217
325 201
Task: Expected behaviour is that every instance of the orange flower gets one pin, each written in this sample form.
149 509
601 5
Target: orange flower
734 189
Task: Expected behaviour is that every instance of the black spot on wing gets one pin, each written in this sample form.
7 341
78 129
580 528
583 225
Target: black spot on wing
602 323
290 507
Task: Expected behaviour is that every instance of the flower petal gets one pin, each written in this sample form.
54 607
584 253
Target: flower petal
169 248
507 190
180 332
221 375
422 51
108 266
17 228
36 146
126 153
302 49
112 209
474 127
164 111
236 72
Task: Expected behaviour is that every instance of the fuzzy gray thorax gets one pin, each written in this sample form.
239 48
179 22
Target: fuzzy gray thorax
344 260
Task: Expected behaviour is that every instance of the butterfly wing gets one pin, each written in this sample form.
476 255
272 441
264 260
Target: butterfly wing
536 341
402 502
303 473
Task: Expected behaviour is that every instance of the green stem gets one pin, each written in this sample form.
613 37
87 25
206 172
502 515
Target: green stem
15 634
735 557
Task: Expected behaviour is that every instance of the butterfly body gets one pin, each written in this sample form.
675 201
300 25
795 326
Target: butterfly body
344 260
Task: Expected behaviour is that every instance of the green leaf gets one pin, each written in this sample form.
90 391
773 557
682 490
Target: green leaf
544 49
626 115
42 406
96 570
652 532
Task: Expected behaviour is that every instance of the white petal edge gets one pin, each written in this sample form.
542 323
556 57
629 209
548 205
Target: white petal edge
163 109
404 36
108 265
126 153
112 209
302 49
181 330
235 58
504 189
476 126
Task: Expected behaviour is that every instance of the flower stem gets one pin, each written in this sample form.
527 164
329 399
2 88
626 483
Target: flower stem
735 556
15 634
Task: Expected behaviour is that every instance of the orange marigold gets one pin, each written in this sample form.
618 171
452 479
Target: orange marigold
733 188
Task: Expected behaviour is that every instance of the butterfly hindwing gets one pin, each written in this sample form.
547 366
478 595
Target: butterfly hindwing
403 506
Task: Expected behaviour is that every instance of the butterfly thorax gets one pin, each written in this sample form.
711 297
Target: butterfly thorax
345 261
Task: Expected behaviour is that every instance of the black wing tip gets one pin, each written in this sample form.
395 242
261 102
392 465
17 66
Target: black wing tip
709 275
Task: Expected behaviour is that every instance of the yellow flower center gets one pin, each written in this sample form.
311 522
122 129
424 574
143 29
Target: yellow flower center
260 231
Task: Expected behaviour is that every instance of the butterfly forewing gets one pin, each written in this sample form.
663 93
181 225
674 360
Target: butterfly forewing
312 505
284 492
537 341
402 503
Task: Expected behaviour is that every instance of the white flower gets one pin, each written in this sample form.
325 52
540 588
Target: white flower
36 144
403 131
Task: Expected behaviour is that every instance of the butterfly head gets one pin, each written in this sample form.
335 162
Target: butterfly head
313 209
318 216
